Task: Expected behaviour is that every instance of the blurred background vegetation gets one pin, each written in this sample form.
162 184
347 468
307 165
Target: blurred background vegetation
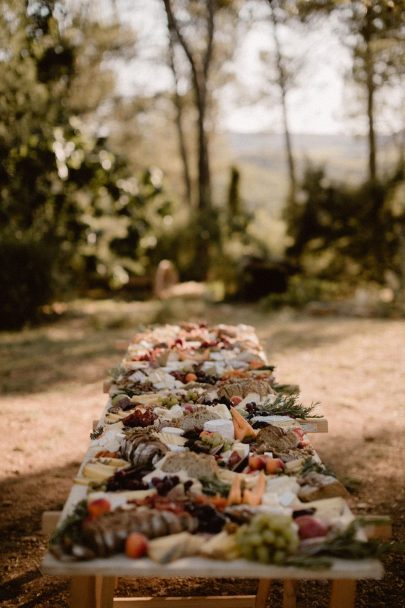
102 177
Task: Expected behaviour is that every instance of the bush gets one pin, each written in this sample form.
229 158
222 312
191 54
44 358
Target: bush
348 233
301 291
26 281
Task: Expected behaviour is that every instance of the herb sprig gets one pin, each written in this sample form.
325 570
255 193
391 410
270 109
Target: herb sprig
312 466
287 405
71 528
347 545
211 487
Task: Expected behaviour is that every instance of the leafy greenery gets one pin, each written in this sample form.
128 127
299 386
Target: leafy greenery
287 405
302 290
98 431
346 545
212 487
336 232
70 528
313 466
26 279
62 182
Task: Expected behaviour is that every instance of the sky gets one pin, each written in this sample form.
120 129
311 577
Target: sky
317 105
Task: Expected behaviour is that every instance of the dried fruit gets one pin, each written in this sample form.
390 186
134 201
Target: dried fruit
139 418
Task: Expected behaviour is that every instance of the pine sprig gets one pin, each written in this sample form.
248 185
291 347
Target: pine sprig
288 405
286 389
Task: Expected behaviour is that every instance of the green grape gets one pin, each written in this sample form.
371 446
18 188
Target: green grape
263 554
268 538
255 540
279 557
279 542
248 552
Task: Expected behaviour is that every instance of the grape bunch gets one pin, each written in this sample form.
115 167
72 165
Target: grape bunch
268 538
252 409
192 396
168 401
165 484
126 479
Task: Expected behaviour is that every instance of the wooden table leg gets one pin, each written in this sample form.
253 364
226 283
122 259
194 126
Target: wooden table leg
105 586
83 592
343 593
289 594
263 590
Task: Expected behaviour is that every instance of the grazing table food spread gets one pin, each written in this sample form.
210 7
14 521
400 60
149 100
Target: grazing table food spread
200 465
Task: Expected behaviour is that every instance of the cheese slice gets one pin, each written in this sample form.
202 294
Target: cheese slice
171 438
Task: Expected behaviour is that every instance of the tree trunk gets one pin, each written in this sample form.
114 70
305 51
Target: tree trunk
204 208
369 66
178 105
204 173
289 151
282 82
199 77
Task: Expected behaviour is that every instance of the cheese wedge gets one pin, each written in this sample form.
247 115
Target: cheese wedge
169 548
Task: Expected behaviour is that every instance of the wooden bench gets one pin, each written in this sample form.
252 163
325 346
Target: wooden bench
98 591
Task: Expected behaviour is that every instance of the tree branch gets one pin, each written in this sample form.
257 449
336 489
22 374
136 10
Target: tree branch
210 37
174 26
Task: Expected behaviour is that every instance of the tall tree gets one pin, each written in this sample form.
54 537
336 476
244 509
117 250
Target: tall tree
199 55
283 81
179 118
200 64
374 31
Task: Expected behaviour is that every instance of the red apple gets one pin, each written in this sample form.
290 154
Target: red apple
136 545
98 507
310 527
274 465
257 462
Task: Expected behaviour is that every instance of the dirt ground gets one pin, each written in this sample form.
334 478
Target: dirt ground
51 391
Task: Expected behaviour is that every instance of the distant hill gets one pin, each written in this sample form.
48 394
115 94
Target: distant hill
261 159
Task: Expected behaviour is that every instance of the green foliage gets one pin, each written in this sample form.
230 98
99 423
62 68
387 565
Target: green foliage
61 181
301 291
70 531
341 232
26 280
